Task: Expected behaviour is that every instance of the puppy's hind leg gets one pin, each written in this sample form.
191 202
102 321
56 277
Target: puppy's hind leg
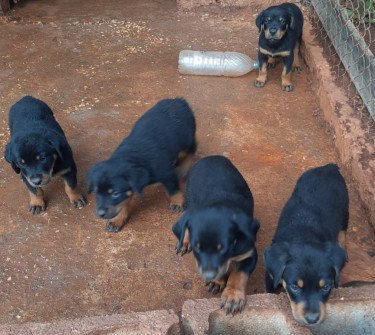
177 198
296 67
183 165
271 62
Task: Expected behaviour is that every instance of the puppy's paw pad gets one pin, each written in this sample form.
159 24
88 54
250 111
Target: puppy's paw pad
81 202
176 208
232 301
258 83
37 209
113 228
288 88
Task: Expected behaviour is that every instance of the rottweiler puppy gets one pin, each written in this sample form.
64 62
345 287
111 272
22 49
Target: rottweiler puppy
39 150
280 30
159 149
307 253
219 227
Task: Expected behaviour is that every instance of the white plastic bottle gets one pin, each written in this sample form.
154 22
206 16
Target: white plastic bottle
215 63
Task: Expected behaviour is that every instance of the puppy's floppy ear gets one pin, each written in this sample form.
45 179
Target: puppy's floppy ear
180 227
138 178
60 145
338 257
9 158
291 21
259 20
275 259
246 225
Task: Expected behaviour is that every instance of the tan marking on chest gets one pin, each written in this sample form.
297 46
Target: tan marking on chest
277 54
240 258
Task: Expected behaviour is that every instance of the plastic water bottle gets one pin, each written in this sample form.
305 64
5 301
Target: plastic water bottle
215 63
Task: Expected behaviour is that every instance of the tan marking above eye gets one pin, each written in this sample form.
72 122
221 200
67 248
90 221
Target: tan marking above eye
219 246
129 193
280 19
235 242
300 283
322 282
198 245
269 19
37 157
22 161
110 191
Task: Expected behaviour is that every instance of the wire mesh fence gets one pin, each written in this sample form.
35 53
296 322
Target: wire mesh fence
346 28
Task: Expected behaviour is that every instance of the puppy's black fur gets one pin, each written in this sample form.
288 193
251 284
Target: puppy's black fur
280 30
219 227
305 255
159 140
39 150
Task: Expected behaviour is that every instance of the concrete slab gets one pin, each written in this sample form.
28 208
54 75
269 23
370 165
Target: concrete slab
349 311
142 323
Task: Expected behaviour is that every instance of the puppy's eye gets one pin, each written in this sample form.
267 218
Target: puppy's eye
115 194
294 288
326 288
42 158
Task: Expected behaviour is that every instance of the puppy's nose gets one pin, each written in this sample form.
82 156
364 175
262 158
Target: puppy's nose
273 31
36 180
312 318
101 212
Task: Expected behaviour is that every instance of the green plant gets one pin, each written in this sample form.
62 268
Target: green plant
360 10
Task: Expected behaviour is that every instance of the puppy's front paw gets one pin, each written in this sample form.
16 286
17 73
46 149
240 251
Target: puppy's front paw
112 228
288 88
81 202
232 300
176 208
216 286
36 209
184 249
176 204
259 83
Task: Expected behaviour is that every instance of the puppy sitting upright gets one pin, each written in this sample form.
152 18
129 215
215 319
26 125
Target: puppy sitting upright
219 227
280 30
38 150
307 252
161 140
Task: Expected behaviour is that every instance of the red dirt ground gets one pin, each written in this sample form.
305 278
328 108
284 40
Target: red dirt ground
100 65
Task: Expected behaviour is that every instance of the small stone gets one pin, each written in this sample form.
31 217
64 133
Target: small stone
187 286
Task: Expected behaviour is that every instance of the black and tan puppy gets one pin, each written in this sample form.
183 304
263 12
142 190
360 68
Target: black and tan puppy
280 30
159 149
307 252
219 227
39 150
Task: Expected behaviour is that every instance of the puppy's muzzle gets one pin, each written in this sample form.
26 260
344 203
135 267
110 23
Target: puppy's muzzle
108 213
38 181
213 274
